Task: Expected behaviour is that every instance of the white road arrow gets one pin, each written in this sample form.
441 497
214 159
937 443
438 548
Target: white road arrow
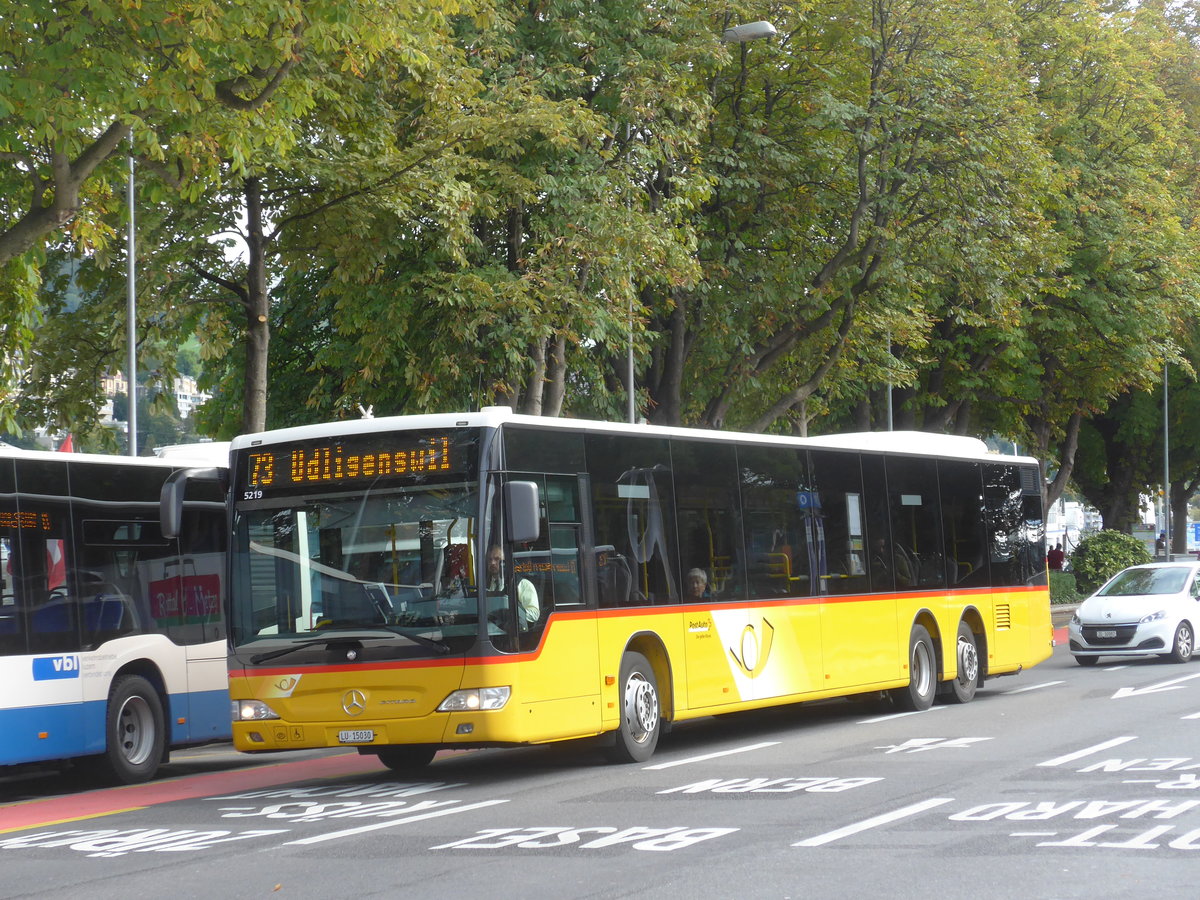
1172 685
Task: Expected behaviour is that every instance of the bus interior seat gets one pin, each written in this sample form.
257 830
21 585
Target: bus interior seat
104 610
53 617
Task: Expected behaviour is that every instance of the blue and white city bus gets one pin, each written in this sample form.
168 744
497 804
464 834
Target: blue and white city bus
112 636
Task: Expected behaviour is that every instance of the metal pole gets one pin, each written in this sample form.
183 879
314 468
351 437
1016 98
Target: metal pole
629 364
131 316
1166 464
890 422
632 400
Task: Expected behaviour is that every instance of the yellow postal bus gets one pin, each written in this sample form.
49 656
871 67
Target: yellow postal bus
407 584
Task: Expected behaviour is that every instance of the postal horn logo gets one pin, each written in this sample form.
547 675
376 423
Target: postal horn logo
755 650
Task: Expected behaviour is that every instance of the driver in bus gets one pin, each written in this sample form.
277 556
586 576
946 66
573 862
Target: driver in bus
527 598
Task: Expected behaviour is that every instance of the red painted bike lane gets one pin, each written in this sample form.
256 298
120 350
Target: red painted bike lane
26 814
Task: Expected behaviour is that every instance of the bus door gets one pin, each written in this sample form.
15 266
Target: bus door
202 542
859 630
560 676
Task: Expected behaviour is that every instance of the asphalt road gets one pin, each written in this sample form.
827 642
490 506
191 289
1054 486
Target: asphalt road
1060 782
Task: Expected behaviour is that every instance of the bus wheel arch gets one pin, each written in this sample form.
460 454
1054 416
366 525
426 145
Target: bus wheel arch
652 647
135 729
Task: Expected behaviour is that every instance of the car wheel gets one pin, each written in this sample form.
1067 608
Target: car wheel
1184 644
1087 660
917 695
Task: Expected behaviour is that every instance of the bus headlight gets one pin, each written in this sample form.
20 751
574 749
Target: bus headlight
476 698
251 710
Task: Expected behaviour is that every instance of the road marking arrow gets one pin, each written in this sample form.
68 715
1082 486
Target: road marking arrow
1172 685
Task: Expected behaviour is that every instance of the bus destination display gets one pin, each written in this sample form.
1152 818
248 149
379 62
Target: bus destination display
345 461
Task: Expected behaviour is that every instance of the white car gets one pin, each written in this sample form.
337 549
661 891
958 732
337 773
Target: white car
1151 610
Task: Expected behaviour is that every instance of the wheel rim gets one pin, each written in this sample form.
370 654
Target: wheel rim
1183 641
968 662
922 668
135 731
641 708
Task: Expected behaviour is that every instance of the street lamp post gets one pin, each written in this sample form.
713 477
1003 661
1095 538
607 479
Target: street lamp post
131 312
1166 467
738 34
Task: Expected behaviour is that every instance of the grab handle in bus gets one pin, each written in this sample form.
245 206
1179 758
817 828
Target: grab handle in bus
521 507
170 499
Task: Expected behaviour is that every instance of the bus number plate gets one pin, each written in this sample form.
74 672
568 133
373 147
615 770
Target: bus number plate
360 736
1106 634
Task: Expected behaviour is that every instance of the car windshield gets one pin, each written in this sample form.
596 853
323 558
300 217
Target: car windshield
1169 580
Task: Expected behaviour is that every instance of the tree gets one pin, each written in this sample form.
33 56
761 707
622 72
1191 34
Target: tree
193 86
865 136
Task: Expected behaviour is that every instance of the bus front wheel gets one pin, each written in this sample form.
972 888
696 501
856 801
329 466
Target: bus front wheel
134 731
406 759
918 694
641 722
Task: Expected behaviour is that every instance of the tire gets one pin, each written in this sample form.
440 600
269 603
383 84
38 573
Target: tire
406 759
1086 661
966 682
134 731
641 718
1184 644
918 694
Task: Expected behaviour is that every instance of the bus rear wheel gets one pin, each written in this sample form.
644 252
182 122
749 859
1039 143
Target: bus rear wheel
133 730
641 721
917 695
966 682
406 759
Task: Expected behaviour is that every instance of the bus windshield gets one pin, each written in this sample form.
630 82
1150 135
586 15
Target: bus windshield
392 561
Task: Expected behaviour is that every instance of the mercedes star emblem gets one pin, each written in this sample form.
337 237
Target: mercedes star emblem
354 702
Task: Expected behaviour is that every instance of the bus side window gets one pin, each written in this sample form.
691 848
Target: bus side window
708 519
633 503
776 497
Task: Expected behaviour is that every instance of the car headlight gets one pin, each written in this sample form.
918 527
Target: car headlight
1075 619
476 698
252 710
1153 617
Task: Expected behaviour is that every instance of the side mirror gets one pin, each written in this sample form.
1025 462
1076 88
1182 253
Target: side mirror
170 498
521 511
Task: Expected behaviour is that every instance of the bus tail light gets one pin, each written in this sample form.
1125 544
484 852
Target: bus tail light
476 698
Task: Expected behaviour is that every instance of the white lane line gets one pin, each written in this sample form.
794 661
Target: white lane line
1087 751
684 762
903 813
1192 716
433 814
1033 687
891 716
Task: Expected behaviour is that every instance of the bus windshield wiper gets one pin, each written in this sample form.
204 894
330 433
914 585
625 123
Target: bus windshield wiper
334 640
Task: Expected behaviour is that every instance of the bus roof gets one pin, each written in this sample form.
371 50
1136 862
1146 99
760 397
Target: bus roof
212 453
914 443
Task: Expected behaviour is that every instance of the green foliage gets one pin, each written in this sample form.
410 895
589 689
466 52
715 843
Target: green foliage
1063 588
983 210
1102 554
